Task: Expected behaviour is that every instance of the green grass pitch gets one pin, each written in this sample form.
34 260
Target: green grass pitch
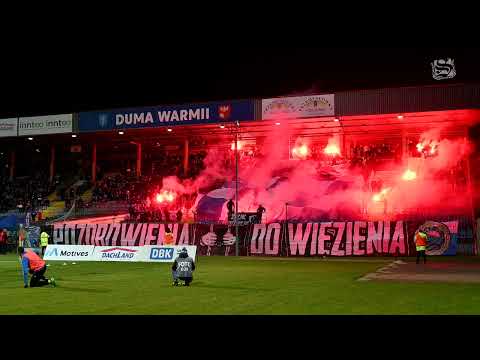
222 285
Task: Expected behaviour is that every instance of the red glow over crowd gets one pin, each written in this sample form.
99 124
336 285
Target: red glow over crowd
335 172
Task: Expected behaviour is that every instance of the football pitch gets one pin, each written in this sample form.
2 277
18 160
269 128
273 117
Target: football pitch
228 285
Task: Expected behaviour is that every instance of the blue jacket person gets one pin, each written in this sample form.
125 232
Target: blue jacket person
36 266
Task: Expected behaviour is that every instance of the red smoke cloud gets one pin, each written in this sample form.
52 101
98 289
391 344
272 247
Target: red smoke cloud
316 189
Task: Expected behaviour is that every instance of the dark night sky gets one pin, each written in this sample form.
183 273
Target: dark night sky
74 83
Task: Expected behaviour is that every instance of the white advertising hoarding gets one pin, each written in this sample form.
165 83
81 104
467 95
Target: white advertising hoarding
8 127
147 253
298 107
119 253
42 125
166 253
69 252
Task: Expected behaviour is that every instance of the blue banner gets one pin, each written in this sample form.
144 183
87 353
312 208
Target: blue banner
9 222
188 114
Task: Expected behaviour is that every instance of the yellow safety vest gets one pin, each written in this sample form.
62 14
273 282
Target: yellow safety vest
44 238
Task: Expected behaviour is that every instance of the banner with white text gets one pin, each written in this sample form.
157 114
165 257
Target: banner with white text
69 252
331 238
151 117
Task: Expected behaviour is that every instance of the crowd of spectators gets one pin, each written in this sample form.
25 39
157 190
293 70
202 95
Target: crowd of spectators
414 151
196 164
111 188
25 193
363 154
148 209
30 193
140 213
247 157
456 176
140 196
140 193
172 165
118 187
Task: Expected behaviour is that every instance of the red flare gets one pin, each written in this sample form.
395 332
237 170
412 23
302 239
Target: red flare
165 196
409 175
332 149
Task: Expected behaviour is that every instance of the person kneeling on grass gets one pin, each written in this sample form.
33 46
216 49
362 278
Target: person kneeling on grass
35 265
182 268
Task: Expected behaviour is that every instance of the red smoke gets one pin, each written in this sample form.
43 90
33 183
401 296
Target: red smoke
313 187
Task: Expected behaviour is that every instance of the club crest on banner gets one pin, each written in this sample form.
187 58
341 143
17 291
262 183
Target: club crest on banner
439 236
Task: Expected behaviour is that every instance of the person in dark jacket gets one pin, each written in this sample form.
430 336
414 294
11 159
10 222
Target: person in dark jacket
182 268
231 209
167 215
260 212
179 216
